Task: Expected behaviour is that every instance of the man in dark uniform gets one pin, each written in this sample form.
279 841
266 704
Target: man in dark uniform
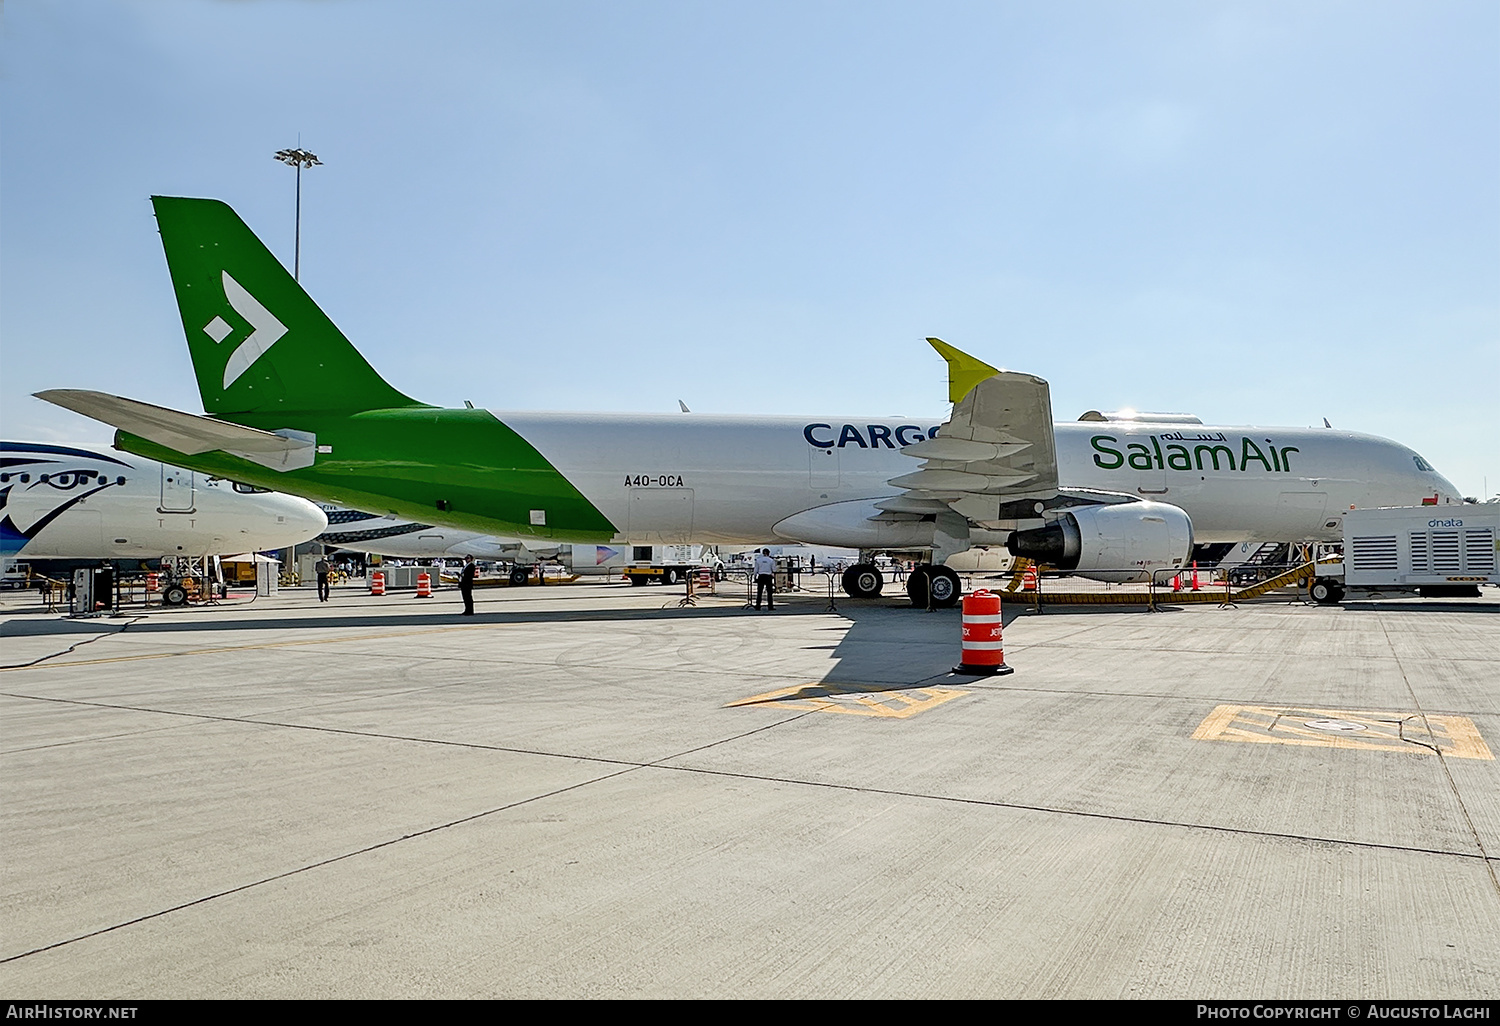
321 568
466 585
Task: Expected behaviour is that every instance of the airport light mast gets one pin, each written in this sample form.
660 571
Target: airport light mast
298 158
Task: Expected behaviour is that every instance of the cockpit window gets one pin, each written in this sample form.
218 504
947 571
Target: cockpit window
248 489
1421 463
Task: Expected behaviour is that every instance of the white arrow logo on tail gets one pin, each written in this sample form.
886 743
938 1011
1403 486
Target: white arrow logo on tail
265 330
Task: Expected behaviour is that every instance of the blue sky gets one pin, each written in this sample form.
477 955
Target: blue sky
1261 213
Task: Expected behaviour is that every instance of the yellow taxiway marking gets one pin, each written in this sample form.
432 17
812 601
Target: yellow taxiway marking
854 699
1455 736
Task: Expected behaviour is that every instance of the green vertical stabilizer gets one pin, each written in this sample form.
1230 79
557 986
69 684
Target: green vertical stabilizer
259 343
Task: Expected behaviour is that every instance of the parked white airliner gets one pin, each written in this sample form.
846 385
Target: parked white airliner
66 502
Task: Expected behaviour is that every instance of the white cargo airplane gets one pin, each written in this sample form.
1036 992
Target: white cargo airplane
65 502
295 407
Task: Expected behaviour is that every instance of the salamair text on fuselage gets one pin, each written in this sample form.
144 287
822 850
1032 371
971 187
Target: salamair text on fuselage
1176 450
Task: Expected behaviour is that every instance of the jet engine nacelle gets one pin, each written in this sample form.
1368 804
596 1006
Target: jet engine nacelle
1120 544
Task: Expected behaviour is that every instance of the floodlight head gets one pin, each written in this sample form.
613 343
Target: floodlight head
298 158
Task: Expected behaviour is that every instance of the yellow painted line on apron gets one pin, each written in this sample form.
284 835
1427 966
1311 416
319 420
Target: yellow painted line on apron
1215 723
1367 730
246 648
854 699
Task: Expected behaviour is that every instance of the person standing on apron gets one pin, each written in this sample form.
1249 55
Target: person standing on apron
466 585
765 579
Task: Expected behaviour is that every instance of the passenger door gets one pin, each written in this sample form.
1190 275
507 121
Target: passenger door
176 490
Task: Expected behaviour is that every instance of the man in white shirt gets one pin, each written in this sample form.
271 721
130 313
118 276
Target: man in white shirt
765 578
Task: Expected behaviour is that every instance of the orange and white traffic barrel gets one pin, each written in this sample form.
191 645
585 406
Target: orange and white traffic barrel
1028 579
377 583
424 585
153 582
705 579
983 650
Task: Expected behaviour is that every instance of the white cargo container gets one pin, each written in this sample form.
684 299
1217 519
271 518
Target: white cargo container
1431 550
404 578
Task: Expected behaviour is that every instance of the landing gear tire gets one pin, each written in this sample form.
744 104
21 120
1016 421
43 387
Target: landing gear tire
1325 593
174 595
947 589
520 576
863 580
944 583
916 587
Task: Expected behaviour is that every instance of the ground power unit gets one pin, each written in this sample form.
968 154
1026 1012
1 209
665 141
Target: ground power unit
1433 551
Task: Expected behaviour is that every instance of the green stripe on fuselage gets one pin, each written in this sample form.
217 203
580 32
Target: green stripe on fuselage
406 461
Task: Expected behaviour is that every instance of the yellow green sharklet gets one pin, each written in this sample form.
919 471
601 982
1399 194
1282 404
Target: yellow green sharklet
964 371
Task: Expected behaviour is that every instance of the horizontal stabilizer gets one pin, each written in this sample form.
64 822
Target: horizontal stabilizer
186 433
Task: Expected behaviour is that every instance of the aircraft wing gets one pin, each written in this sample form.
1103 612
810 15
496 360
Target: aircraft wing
186 433
996 455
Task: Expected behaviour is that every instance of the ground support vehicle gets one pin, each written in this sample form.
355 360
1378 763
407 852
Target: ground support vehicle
1433 551
668 564
657 573
15 575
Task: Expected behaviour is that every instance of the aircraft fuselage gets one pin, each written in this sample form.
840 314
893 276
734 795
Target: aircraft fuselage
646 479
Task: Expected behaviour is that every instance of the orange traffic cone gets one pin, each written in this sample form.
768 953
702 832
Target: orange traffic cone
982 646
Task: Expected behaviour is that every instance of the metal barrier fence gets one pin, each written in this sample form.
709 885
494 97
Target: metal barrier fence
1162 586
1165 585
138 590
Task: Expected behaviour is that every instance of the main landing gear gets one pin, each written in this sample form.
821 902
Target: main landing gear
938 583
863 580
